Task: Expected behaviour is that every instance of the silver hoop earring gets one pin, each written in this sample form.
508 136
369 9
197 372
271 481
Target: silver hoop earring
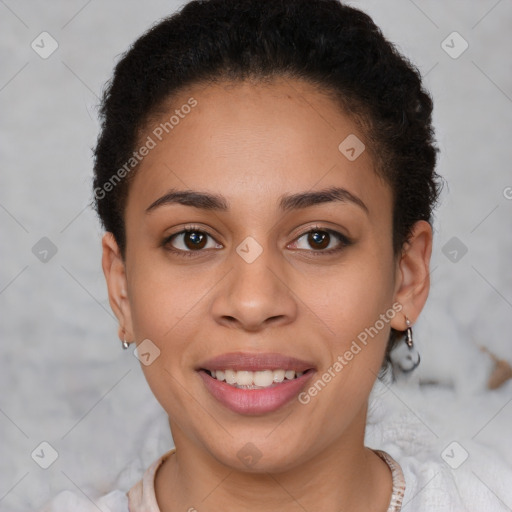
125 344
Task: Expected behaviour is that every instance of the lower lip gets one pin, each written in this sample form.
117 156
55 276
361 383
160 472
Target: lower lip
255 401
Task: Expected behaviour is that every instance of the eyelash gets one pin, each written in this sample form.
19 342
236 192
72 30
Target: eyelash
344 241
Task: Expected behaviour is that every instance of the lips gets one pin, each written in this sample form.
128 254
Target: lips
255 362
244 397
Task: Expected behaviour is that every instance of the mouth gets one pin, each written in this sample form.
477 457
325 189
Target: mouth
255 384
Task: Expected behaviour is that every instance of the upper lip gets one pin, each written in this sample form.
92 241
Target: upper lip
255 362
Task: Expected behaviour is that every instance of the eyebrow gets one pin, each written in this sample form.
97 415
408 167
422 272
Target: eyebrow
216 202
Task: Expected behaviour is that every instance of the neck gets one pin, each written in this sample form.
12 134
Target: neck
344 475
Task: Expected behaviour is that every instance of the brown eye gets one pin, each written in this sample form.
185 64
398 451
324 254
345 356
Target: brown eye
322 241
189 241
194 240
319 239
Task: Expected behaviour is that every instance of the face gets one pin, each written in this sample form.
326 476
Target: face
258 278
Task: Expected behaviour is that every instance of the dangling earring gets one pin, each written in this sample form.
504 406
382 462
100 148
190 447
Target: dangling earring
124 343
411 361
408 333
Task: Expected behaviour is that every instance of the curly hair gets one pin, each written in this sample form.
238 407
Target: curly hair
332 46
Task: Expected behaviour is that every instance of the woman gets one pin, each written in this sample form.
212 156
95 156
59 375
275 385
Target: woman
265 176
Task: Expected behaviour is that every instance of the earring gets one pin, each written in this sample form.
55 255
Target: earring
411 360
408 333
125 344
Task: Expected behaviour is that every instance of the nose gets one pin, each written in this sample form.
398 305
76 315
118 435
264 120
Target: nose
254 295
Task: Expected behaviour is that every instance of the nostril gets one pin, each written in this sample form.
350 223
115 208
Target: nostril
274 319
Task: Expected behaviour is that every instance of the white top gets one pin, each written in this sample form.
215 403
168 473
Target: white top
141 497
429 486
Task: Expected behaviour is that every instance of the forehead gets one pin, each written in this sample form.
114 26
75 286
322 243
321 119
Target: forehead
254 142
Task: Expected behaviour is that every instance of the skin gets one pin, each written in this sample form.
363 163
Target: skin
254 143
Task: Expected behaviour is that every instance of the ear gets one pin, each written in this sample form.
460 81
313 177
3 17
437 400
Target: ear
413 275
115 276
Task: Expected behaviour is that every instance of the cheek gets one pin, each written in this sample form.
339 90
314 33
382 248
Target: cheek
356 304
168 304
358 310
164 307
162 295
349 298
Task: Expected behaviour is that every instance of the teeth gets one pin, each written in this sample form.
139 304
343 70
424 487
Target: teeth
263 379
254 380
230 376
279 375
244 378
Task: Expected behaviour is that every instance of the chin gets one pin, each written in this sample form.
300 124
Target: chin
258 454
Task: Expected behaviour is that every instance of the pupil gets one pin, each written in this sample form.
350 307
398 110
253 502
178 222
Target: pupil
195 238
320 237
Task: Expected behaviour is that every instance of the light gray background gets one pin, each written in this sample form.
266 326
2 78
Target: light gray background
64 378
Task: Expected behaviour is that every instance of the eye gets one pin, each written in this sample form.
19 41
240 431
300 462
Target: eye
190 240
322 240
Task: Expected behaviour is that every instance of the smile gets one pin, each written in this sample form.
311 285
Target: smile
253 384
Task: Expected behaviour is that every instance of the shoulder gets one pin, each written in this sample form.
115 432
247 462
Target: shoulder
114 501
430 485
141 497
481 482
446 466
